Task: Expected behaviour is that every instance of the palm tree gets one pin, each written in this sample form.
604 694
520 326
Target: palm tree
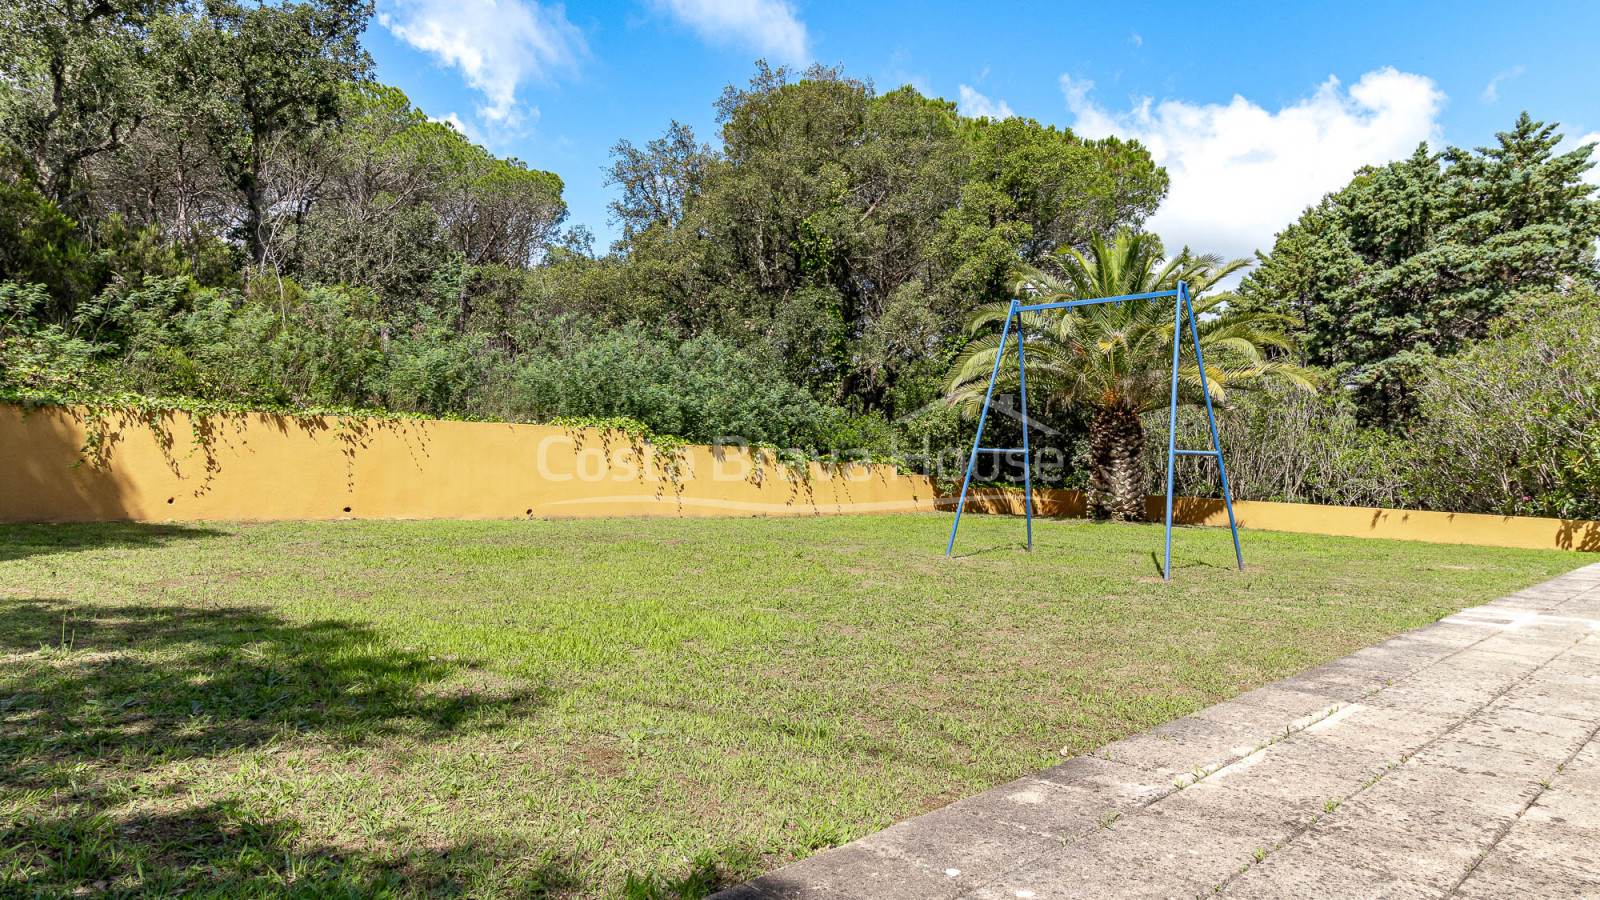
1117 357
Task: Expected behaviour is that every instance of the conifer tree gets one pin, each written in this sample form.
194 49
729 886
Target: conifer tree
1419 257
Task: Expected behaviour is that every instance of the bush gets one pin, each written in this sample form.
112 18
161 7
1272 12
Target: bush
273 347
40 245
277 344
38 357
1513 425
1282 444
701 390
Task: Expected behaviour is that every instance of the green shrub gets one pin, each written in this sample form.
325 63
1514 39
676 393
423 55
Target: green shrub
273 347
1285 445
1510 426
37 357
1513 425
702 389
40 245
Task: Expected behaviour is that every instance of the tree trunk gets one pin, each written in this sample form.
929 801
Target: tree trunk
1116 485
255 245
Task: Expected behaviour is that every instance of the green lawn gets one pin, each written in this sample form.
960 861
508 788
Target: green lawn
611 708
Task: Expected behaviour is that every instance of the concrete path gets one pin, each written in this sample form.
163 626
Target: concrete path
1460 759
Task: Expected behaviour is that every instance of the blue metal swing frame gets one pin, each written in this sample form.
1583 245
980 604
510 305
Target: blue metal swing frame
1184 311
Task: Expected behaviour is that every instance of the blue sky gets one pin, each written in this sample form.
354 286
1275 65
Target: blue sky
1256 109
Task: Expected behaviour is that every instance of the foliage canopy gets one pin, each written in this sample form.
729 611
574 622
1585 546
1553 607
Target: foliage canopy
1414 259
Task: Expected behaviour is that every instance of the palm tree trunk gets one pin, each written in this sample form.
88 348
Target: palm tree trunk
1116 485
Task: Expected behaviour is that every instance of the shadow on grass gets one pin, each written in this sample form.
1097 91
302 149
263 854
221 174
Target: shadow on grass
102 701
708 872
221 849
23 541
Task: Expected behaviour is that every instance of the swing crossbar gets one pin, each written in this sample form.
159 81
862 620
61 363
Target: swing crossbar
1095 301
1184 314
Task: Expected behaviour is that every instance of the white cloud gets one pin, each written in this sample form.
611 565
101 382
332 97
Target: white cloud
461 126
1491 91
1570 144
1136 40
1241 173
498 45
975 105
770 27
1076 90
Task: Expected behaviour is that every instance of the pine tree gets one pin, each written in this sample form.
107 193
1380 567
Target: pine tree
1418 257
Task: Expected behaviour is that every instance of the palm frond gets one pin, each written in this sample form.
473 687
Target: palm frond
1122 353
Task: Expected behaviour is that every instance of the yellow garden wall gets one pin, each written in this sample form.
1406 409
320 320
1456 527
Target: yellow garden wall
265 467
262 467
1350 521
